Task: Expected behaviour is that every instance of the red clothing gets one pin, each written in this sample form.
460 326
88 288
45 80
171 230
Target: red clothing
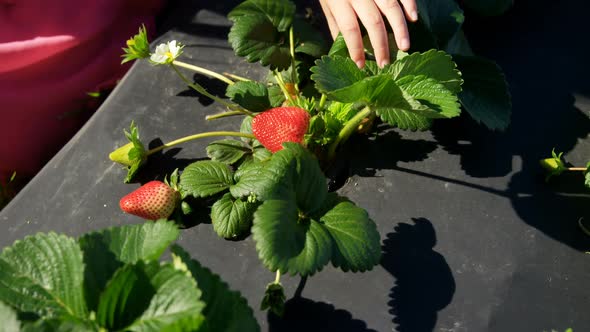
52 53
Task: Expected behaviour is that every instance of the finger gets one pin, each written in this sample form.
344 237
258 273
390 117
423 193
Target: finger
346 18
332 25
411 10
371 18
393 11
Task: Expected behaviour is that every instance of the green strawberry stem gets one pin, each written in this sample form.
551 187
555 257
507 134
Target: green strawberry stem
236 77
197 87
197 136
349 128
322 102
278 277
281 84
203 71
577 169
223 115
293 67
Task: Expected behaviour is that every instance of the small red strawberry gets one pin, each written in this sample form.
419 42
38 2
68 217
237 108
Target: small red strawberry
154 200
278 125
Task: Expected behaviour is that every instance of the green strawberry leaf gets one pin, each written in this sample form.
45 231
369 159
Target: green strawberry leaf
332 73
288 243
246 127
227 151
260 152
225 310
442 18
485 94
276 95
43 274
421 93
357 244
341 111
205 178
281 173
107 250
175 304
232 218
489 7
371 68
405 120
132 243
308 181
367 90
434 64
250 95
259 31
406 106
125 297
459 45
61 324
286 238
279 12
339 47
308 40
10 322
435 100
259 179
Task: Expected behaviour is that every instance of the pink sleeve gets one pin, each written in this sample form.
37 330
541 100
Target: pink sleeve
53 53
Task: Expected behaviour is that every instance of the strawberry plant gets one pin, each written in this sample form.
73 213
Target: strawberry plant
269 180
112 280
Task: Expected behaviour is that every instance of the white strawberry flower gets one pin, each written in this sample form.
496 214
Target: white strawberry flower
166 53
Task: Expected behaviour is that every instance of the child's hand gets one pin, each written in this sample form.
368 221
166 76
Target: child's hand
343 16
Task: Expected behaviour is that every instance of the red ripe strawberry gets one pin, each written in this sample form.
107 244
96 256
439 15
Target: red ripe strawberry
154 200
278 125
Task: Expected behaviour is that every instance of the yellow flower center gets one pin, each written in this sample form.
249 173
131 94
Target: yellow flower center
169 55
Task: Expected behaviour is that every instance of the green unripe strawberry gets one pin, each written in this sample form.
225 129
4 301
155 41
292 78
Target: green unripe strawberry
121 155
554 165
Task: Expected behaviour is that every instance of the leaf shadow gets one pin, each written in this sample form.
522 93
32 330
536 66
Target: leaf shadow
383 151
302 314
162 163
213 86
549 111
424 281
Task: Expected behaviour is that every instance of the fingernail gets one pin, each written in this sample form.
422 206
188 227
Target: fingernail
360 63
384 63
414 15
404 44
